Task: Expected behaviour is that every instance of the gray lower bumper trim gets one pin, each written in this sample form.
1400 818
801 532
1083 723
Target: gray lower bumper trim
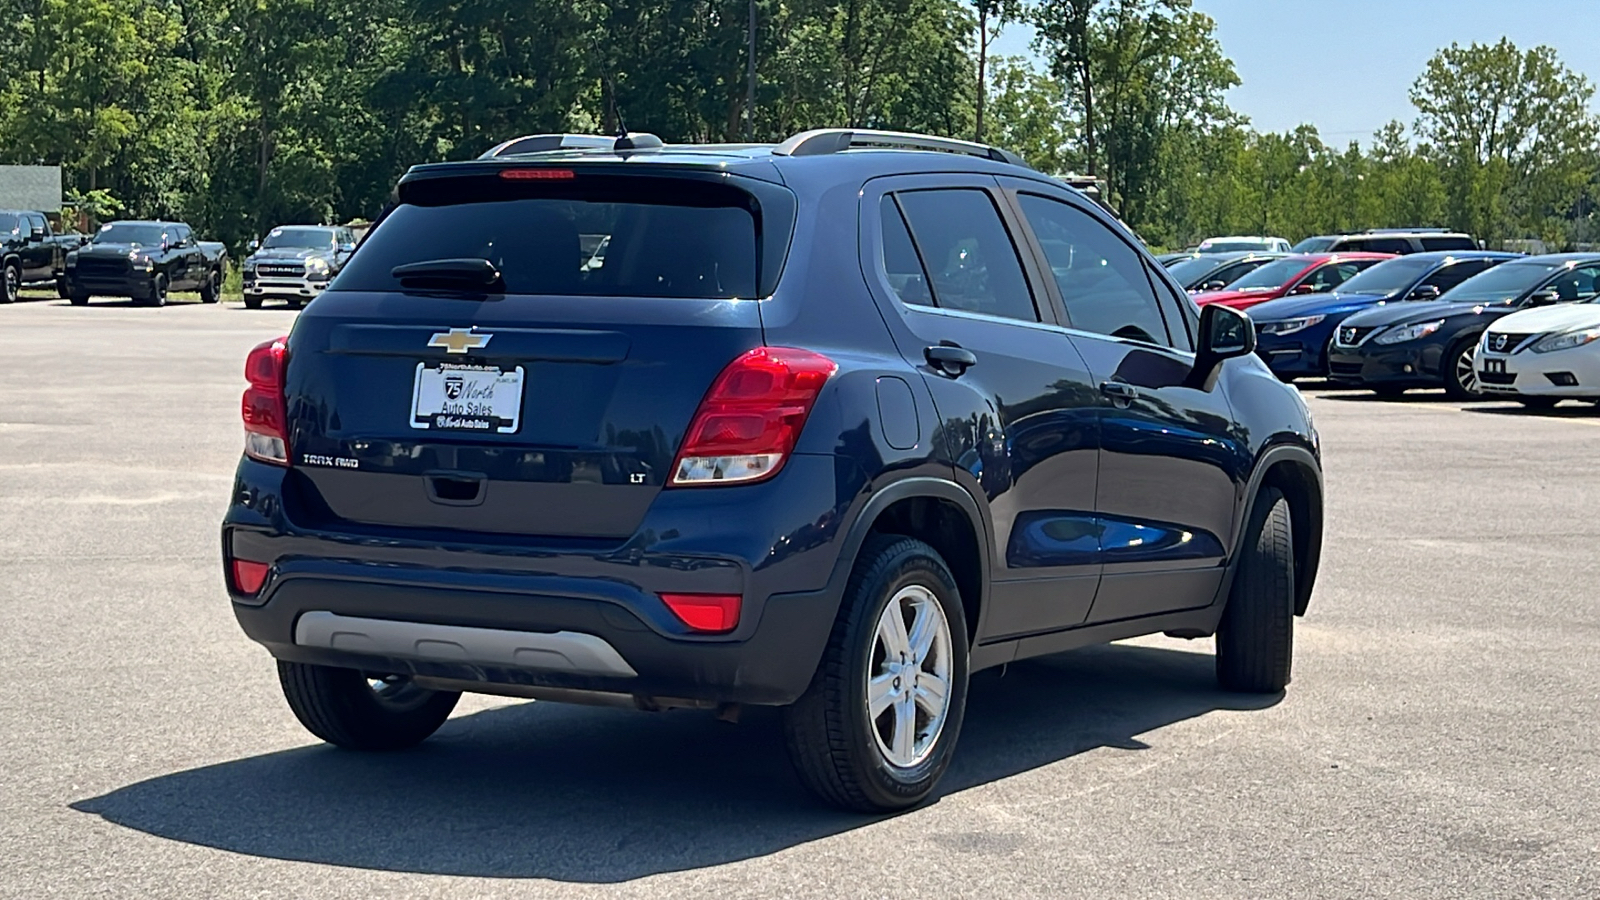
563 651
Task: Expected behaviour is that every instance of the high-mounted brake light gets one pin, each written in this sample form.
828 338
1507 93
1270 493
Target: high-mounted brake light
538 174
266 418
750 419
709 613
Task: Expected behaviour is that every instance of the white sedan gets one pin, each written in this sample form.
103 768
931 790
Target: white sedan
1542 356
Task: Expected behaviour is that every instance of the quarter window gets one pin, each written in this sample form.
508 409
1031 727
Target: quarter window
970 263
1102 279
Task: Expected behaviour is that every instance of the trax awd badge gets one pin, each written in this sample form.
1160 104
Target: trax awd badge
460 340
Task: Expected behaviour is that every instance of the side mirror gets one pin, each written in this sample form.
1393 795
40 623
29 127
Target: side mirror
1545 297
1304 289
347 248
36 234
1424 292
253 246
1215 285
1225 333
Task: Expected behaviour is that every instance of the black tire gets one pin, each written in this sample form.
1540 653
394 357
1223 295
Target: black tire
1539 402
342 708
158 291
62 290
832 739
10 283
210 289
1461 383
79 299
295 302
252 301
1387 392
1255 639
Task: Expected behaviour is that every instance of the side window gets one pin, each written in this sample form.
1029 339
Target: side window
900 261
1229 274
1446 277
1388 245
1448 243
1579 284
1329 277
966 253
1102 280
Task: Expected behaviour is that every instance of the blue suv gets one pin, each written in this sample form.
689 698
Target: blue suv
832 425
1293 333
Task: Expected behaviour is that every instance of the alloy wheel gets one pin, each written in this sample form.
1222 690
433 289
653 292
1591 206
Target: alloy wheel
1467 369
13 285
908 677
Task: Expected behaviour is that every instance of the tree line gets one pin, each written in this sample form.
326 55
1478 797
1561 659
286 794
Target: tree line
241 114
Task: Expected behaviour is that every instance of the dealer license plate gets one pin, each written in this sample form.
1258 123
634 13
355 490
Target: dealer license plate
461 397
1494 366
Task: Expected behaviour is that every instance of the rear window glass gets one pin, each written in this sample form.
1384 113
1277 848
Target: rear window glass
610 243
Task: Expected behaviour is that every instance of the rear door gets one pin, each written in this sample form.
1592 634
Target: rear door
1019 423
1170 458
552 404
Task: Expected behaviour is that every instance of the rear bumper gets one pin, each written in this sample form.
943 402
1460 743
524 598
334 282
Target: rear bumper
535 612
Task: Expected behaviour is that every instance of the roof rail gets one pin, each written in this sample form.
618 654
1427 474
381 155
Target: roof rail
1427 229
835 140
544 143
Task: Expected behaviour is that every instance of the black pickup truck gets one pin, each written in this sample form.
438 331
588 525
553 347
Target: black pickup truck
31 253
144 261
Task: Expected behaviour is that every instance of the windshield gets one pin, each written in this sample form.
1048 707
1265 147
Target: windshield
651 249
1234 246
1270 276
1312 245
1500 283
1187 270
1388 277
131 233
8 223
309 238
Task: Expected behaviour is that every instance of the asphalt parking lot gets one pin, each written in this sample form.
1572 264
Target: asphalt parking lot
1439 739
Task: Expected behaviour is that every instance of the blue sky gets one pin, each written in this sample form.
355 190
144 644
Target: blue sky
1346 66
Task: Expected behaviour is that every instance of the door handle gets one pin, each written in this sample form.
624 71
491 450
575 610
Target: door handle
950 358
1120 392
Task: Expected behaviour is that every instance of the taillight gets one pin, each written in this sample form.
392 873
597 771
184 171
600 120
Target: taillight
266 418
750 419
709 613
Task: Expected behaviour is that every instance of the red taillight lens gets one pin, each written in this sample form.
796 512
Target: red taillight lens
709 613
266 418
538 174
750 419
249 576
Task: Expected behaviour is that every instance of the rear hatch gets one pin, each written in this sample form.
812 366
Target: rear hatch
507 382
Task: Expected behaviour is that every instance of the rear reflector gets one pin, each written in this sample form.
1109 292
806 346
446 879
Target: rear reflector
751 418
708 613
538 174
266 419
249 576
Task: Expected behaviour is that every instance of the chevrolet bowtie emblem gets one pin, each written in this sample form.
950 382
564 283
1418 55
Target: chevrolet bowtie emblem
460 340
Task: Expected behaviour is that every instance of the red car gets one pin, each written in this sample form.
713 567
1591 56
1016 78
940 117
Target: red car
1306 273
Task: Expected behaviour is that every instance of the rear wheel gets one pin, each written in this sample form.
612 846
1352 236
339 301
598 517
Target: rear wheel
10 283
878 725
1538 402
1255 640
209 289
359 711
1460 369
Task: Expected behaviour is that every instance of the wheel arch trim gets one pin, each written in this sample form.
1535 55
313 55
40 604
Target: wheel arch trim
1308 557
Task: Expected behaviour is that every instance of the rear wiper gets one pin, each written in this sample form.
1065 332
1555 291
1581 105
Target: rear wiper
470 274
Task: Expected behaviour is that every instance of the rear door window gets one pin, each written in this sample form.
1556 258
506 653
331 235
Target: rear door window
663 239
970 263
1447 277
1459 242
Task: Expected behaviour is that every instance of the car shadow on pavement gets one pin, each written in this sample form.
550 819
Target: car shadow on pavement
579 794
1565 411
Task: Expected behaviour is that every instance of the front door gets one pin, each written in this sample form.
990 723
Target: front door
1018 423
1171 460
